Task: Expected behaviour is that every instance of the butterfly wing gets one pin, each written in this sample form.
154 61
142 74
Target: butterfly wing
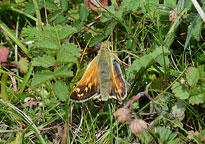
118 88
88 87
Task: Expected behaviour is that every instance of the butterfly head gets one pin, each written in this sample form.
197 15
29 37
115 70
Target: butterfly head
106 45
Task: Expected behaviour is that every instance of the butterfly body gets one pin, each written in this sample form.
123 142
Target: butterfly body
105 59
102 79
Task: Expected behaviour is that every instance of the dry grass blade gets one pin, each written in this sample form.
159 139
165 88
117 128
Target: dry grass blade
199 9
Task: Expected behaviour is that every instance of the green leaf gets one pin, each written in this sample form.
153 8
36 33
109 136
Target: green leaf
31 34
108 15
197 99
61 20
54 15
96 39
65 57
68 54
180 91
61 90
29 8
170 3
144 62
64 71
130 5
65 32
23 63
45 61
178 110
192 76
78 24
163 60
197 30
47 44
130 44
64 4
42 77
74 14
83 11
51 5
110 25
72 48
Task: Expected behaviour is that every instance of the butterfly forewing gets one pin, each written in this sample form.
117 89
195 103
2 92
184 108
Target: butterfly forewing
88 86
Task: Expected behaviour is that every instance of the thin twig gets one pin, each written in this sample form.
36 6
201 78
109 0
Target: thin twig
138 96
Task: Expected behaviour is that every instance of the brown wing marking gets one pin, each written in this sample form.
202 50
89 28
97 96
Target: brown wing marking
118 87
88 85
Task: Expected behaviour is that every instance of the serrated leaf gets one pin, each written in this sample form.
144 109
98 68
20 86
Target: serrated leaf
41 77
72 48
130 5
23 63
47 44
50 4
68 54
96 39
64 4
180 91
61 90
197 99
64 57
170 3
29 8
45 61
192 76
64 71
83 11
30 34
66 31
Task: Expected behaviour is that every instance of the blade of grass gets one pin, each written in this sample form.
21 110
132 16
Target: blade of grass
4 94
13 37
38 14
26 78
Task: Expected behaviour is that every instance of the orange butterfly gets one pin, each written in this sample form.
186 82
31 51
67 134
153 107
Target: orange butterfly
102 79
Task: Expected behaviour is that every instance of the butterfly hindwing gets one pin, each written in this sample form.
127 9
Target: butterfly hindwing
88 86
118 86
